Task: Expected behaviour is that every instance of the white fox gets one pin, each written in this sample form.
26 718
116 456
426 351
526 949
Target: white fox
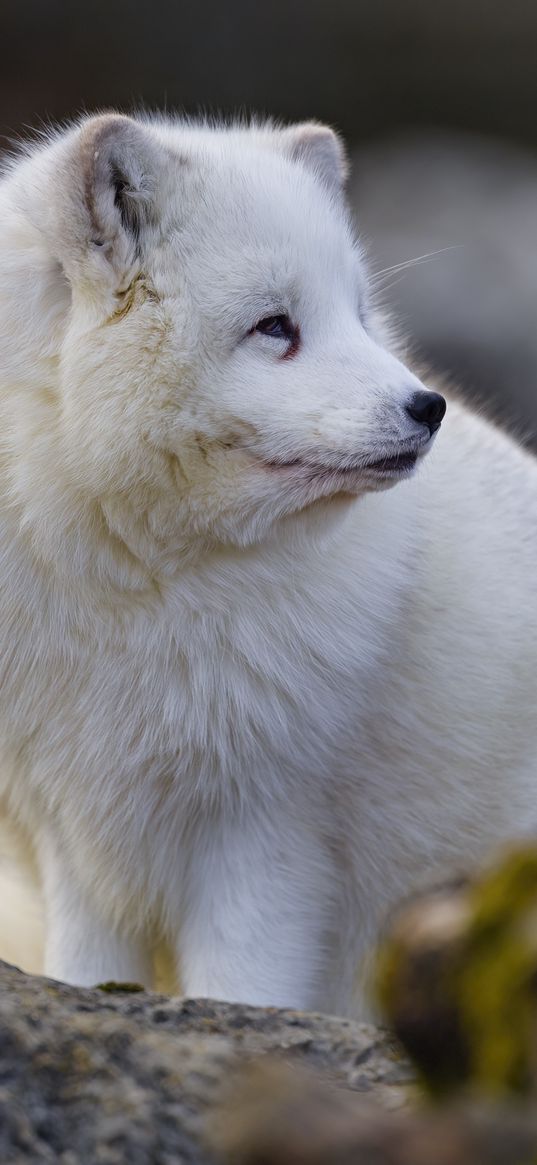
251 693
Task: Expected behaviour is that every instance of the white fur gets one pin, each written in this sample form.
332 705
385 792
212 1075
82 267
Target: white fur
244 708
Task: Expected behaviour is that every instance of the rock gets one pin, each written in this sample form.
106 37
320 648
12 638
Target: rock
284 1117
120 1075
117 1076
458 982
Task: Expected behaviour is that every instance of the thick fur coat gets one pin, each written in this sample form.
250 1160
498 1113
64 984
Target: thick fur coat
251 695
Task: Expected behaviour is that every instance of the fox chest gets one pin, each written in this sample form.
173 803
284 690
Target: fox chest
191 718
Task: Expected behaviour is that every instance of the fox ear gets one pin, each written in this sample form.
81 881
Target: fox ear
118 175
320 148
109 181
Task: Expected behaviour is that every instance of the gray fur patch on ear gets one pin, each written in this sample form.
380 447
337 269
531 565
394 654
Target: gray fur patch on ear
320 148
118 176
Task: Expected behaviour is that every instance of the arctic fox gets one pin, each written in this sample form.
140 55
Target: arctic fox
267 661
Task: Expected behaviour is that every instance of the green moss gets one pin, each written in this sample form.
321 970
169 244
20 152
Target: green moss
497 977
112 987
465 1005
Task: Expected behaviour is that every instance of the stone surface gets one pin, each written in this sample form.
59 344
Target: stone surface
110 1076
280 1117
117 1076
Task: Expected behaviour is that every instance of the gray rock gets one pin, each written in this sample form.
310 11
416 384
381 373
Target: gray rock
117 1076
121 1076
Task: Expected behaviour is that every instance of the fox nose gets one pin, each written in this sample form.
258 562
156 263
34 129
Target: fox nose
427 408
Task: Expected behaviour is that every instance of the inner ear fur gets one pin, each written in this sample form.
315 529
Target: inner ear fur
105 196
118 169
320 148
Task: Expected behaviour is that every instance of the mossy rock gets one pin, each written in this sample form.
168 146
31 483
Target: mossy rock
457 981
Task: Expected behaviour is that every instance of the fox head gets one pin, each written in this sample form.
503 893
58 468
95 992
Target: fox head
189 311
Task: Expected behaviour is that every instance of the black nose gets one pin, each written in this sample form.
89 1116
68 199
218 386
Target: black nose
428 408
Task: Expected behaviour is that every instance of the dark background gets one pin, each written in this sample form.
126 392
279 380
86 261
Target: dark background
437 100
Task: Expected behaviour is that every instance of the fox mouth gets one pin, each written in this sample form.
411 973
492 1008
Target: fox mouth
396 465
399 463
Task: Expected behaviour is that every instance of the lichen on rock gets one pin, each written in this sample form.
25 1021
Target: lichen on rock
457 981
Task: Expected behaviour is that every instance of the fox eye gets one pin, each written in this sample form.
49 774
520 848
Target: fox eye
280 328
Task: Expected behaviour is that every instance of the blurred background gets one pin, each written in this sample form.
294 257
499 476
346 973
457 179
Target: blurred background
437 100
